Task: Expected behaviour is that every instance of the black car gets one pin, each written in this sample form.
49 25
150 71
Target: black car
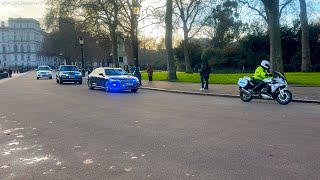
112 79
68 73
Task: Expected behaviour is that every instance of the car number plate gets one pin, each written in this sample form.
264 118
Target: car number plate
71 77
129 84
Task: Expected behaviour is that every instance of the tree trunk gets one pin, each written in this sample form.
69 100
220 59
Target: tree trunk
306 63
171 67
115 62
273 14
186 50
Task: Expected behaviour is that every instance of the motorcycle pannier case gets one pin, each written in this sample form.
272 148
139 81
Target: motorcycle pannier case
243 82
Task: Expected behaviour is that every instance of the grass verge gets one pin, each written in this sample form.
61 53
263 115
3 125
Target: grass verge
307 79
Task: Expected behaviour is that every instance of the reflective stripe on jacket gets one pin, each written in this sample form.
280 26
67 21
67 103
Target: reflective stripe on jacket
260 73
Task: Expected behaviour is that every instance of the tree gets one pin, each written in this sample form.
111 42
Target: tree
306 63
168 42
222 24
189 14
272 15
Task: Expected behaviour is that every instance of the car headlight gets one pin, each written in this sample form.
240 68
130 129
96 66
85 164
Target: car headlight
63 74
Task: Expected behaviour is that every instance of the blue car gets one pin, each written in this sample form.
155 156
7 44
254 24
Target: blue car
68 73
112 79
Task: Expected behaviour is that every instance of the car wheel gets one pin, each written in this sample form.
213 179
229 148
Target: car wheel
37 77
134 90
50 77
90 85
60 81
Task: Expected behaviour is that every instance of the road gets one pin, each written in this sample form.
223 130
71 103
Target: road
51 131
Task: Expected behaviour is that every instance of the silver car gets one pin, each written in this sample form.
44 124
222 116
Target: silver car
44 72
112 79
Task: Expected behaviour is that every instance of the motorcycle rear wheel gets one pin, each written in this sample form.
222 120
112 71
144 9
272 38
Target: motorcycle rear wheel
245 97
284 99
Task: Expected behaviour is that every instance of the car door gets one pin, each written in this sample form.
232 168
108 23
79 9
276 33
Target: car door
93 76
101 77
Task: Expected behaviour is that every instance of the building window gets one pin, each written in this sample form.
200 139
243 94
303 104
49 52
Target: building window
15 48
28 58
4 58
3 48
4 64
14 36
22 48
28 36
16 58
120 59
3 39
28 48
22 57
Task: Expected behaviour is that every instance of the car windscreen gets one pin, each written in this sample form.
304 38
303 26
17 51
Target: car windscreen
115 72
43 69
68 68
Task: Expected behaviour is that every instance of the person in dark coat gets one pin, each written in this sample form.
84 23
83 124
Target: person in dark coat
207 76
150 72
10 72
202 75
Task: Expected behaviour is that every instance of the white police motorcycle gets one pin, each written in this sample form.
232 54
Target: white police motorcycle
276 88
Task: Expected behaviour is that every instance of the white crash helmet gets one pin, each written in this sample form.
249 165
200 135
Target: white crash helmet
265 64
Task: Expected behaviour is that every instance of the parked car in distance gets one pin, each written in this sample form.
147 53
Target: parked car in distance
68 73
112 79
44 72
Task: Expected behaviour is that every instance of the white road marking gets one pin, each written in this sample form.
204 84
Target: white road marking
128 169
4 167
88 161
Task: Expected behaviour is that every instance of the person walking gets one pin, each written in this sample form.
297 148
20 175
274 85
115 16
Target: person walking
150 72
202 75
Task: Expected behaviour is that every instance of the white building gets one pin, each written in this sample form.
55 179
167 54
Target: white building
20 43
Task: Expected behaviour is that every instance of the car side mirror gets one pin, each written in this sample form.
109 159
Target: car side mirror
101 74
58 70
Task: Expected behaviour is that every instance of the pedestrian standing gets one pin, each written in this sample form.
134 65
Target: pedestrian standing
150 72
10 72
208 71
202 75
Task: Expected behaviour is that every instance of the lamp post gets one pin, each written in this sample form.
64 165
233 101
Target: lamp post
81 41
135 43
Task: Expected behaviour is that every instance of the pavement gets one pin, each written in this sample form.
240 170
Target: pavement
53 131
304 94
14 75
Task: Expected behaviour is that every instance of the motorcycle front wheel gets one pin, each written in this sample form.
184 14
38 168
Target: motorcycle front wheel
245 97
284 98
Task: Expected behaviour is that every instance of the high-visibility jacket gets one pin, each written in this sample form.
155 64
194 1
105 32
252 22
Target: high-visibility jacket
260 73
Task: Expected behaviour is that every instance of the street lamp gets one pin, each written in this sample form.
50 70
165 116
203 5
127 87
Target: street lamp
81 41
135 43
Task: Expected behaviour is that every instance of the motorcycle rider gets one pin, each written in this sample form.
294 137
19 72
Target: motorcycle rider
262 72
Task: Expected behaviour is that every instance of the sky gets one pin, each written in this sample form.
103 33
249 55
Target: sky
22 8
37 8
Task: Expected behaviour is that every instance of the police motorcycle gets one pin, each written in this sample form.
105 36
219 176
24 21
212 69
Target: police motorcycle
276 88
